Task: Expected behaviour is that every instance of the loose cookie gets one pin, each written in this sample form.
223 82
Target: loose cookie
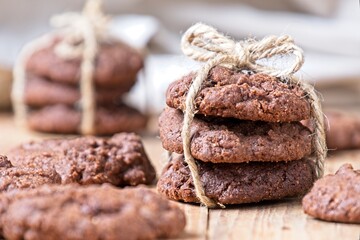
229 183
24 177
343 132
335 197
247 96
66 120
120 160
93 212
232 140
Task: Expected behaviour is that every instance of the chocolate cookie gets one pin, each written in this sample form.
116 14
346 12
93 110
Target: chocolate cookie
232 140
92 212
247 96
116 65
343 131
120 160
40 92
24 177
335 197
235 183
108 120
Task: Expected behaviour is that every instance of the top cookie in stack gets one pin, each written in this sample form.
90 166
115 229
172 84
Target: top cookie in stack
243 95
246 137
53 73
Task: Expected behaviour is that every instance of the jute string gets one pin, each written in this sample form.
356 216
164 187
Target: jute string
203 43
80 34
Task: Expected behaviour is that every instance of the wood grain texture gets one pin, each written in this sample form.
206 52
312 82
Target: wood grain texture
281 220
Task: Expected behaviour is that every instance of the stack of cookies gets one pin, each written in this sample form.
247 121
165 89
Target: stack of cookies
52 91
246 137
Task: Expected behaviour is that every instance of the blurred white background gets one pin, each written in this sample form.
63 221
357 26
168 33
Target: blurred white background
328 31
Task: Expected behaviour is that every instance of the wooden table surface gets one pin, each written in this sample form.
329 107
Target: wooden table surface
270 220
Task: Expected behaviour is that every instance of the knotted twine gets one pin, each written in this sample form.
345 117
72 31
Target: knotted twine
80 35
205 44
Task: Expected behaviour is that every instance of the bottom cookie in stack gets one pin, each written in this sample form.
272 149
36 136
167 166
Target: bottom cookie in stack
236 183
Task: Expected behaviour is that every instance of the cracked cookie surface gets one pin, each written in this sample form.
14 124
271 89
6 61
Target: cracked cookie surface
232 140
24 177
94 212
229 93
120 160
335 197
237 183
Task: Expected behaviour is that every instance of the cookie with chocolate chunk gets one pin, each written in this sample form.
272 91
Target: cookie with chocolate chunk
88 212
232 140
247 96
335 197
235 183
116 65
120 160
24 177
66 120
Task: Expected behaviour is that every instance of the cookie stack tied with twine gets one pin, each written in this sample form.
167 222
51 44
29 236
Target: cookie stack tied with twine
236 123
72 79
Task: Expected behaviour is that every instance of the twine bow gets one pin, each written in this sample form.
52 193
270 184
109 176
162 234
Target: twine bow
80 28
203 43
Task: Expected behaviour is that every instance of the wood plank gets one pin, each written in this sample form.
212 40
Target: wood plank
196 217
196 222
11 135
284 219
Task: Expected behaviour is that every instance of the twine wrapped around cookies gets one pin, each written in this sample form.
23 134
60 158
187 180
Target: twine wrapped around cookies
203 43
80 34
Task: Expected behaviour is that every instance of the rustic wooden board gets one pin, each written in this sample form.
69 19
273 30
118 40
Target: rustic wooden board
270 220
